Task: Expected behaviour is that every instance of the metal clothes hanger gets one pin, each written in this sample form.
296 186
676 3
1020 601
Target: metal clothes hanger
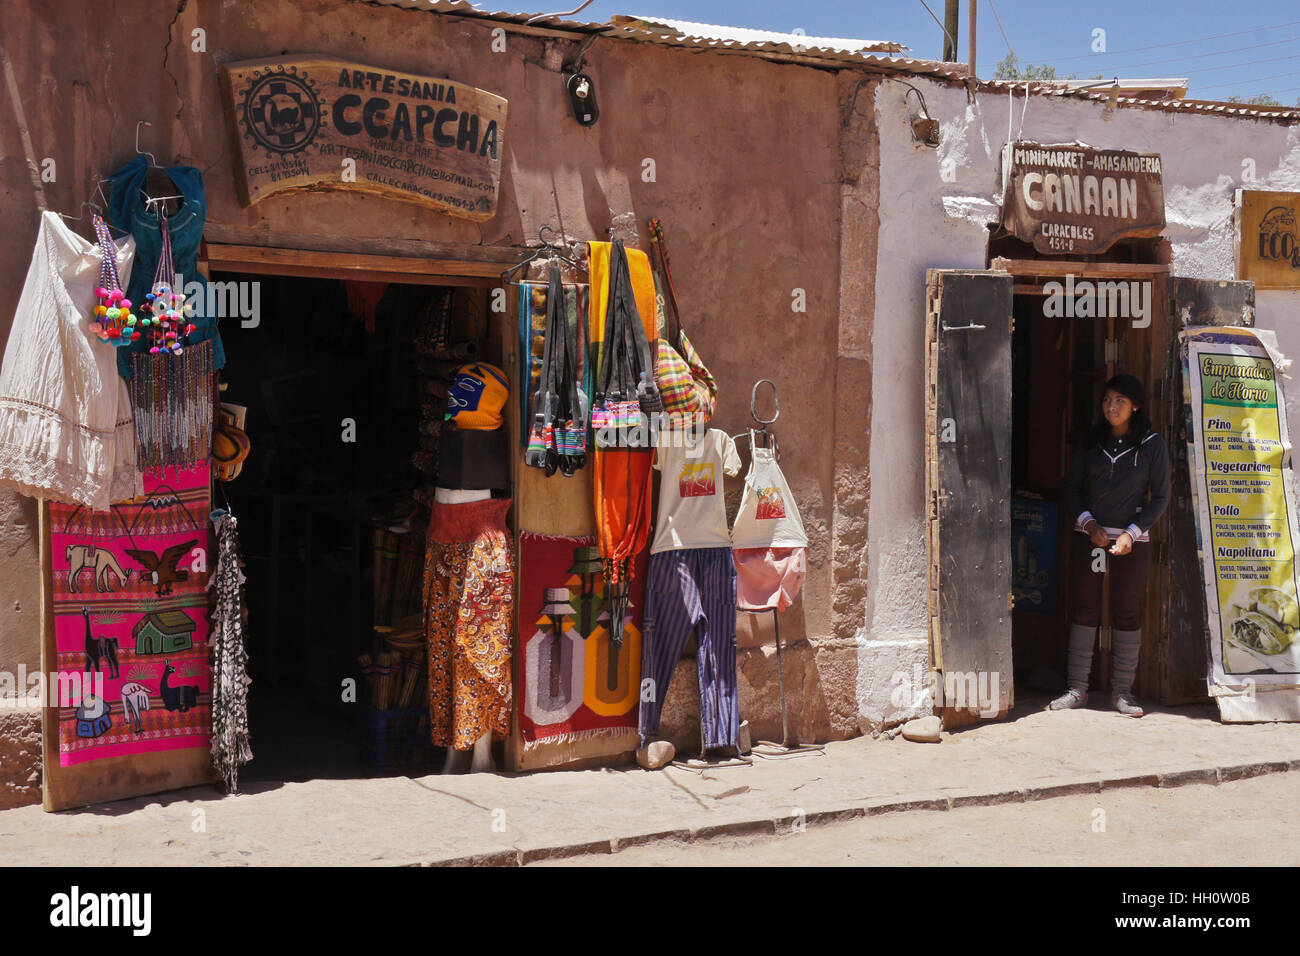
152 202
549 249
768 436
97 208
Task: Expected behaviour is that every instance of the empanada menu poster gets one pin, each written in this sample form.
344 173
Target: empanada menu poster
1245 498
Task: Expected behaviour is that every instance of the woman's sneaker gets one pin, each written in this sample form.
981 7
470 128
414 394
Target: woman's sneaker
1069 700
1127 705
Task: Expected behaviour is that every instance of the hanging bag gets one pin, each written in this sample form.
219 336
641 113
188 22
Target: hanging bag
557 438
628 399
685 383
541 451
571 422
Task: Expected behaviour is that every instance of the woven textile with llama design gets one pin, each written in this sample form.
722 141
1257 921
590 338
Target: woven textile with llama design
130 620
573 680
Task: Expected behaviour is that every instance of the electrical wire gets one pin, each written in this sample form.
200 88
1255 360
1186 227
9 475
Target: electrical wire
1242 66
941 26
1257 79
1202 56
1158 46
998 20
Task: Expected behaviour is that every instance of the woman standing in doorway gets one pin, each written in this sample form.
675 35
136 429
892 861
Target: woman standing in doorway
1118 489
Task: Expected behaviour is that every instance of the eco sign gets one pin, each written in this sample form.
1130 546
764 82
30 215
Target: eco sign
311 121
1268 242
1246 503
1078 200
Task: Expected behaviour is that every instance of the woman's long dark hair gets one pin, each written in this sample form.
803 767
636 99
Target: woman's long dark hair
1131 388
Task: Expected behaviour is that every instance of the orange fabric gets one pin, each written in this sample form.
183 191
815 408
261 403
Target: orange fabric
621 478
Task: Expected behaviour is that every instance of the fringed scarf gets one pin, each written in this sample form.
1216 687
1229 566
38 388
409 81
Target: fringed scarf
231 744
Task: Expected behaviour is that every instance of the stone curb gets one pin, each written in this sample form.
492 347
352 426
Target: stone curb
783 825
1181 778
564 850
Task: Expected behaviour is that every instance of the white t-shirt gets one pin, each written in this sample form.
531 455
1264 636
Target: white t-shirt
768 515
692 513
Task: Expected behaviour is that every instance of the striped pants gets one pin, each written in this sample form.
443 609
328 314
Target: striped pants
691 590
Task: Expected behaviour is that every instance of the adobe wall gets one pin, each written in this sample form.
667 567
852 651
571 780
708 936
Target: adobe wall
754 174
934 215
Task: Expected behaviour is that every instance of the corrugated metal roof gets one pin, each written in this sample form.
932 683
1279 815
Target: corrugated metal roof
1102 95
863 53
709 31
736 40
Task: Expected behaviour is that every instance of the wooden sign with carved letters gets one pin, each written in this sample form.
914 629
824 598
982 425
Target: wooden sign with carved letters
1268 242
1071 200
312 121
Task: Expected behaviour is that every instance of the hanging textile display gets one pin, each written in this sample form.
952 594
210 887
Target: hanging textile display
468 602
172 398
557 437
66 431
131 620
231 743
627 400
622 317
533 304
575 681
129 211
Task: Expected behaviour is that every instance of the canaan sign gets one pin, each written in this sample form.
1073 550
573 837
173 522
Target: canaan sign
1268 242
1069 199
312 121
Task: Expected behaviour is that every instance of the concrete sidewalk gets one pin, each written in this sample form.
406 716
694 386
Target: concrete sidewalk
511 819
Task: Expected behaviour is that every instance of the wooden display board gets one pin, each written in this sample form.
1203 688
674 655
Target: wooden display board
313 121
1268 242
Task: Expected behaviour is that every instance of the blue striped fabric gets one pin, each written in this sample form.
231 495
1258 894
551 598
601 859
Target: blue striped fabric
689 589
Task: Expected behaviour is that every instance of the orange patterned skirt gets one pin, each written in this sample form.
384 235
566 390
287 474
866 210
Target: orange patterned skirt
468 599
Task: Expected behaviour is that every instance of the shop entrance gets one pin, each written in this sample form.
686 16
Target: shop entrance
1011 385
341 391
1072 331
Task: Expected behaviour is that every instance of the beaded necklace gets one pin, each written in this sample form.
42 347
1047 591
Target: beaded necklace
172 399
111 318
168 323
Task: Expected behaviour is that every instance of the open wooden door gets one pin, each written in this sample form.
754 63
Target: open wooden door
968 491
1181 641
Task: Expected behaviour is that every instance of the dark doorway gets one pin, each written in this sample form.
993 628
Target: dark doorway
1060 363
329 521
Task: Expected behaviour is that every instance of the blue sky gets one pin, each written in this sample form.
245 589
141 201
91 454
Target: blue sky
1144 38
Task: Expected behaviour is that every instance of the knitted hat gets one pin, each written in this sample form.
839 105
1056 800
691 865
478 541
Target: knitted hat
477 397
